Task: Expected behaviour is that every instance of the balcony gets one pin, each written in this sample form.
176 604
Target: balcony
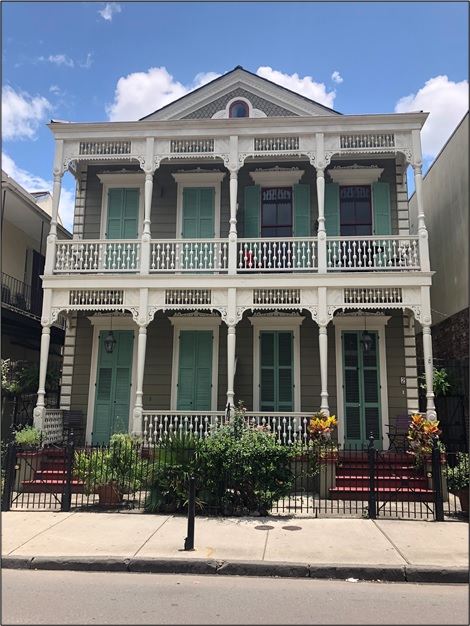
21 298
212 256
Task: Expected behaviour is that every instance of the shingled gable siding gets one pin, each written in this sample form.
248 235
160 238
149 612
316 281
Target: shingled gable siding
208 110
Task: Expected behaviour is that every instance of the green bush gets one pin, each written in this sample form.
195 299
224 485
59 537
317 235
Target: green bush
242 467
458 476
29 437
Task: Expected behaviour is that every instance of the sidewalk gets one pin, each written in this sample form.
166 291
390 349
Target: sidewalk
386 550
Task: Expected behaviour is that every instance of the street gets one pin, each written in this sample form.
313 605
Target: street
65 597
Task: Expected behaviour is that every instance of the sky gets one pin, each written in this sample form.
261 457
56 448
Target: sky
114 61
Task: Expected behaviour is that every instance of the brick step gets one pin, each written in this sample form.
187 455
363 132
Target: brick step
383 494
359 470
50 486
354 482
51 473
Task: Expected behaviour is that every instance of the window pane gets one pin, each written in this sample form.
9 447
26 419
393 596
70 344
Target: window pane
284 214
363 229
269 214
348 230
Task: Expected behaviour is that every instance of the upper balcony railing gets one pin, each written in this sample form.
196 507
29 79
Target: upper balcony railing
291 254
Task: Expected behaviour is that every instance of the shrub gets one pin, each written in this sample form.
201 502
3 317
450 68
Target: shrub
243 467
458 477
29 437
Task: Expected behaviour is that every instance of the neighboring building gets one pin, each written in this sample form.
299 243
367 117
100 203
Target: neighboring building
25 227
445 198
238 243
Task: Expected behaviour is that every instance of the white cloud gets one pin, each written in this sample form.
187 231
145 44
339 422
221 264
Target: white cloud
305 86
89 61
109 10
31 183
58 59
142 93
336 78
446 102
22 114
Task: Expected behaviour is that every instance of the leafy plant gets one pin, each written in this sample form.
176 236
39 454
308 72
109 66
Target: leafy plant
442 381
321 427
19 377
29 436
243 466
421 435
458 476
120 463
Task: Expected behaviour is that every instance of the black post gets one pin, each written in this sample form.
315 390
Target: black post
437 479
10 472
67 495
189 541
371 457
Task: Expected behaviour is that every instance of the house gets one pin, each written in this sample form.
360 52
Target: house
445 196
241 243
26 219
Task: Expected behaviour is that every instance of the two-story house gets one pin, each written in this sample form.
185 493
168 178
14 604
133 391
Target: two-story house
241 243
26 219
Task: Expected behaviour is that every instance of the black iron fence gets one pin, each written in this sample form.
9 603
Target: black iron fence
316 481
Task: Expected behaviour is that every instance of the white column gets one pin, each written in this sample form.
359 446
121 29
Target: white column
52 237
40 409
232 239
323 348
138 408
323 343
428 371
321 253
145 246
231 344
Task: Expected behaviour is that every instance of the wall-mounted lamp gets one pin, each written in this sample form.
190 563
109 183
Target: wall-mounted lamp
366 339
109 341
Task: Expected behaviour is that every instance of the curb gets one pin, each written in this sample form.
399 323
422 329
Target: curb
278 569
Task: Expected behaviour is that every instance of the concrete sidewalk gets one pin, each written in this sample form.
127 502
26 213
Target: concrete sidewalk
388 550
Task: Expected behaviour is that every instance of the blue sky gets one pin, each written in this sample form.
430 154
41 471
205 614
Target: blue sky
99 61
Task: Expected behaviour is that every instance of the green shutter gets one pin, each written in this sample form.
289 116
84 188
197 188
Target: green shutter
123 214
198 212
195 371
361 389
381 203
113 387
332 209
252 211
276 371
302 211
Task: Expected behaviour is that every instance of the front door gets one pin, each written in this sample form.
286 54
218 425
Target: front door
195 370
361 380
276 371
113 387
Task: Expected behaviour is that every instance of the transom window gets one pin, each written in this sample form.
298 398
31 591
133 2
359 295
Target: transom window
239 109
276 212
355 210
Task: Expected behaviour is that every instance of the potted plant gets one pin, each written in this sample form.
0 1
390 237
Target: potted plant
421 435
458 480
326 450
113 470
29 455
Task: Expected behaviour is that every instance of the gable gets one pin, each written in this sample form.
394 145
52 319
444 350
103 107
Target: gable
267 99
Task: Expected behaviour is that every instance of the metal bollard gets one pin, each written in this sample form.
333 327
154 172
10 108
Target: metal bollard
189 541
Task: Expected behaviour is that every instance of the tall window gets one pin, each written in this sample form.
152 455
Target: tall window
276 212
239 109
355 210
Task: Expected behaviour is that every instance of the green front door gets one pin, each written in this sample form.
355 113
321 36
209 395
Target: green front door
276 371
361 387
113 387
195 370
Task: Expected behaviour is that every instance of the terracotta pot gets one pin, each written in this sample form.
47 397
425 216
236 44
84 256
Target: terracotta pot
463 497
110 494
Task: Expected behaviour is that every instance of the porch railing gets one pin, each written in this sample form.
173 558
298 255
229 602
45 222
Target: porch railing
95 255
175 255
372 253
156 424
292 254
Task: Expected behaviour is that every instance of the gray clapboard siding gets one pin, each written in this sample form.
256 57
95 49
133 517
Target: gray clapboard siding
397 401
81 366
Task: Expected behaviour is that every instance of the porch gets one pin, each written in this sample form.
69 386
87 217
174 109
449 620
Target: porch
293 254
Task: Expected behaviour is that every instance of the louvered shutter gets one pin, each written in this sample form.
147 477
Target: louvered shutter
332 209
252 211
302 226
381 203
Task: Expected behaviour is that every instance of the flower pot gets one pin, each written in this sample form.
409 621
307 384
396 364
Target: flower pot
463 497
27 464
110 494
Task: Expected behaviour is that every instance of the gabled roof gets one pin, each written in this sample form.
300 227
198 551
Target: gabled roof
268 98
